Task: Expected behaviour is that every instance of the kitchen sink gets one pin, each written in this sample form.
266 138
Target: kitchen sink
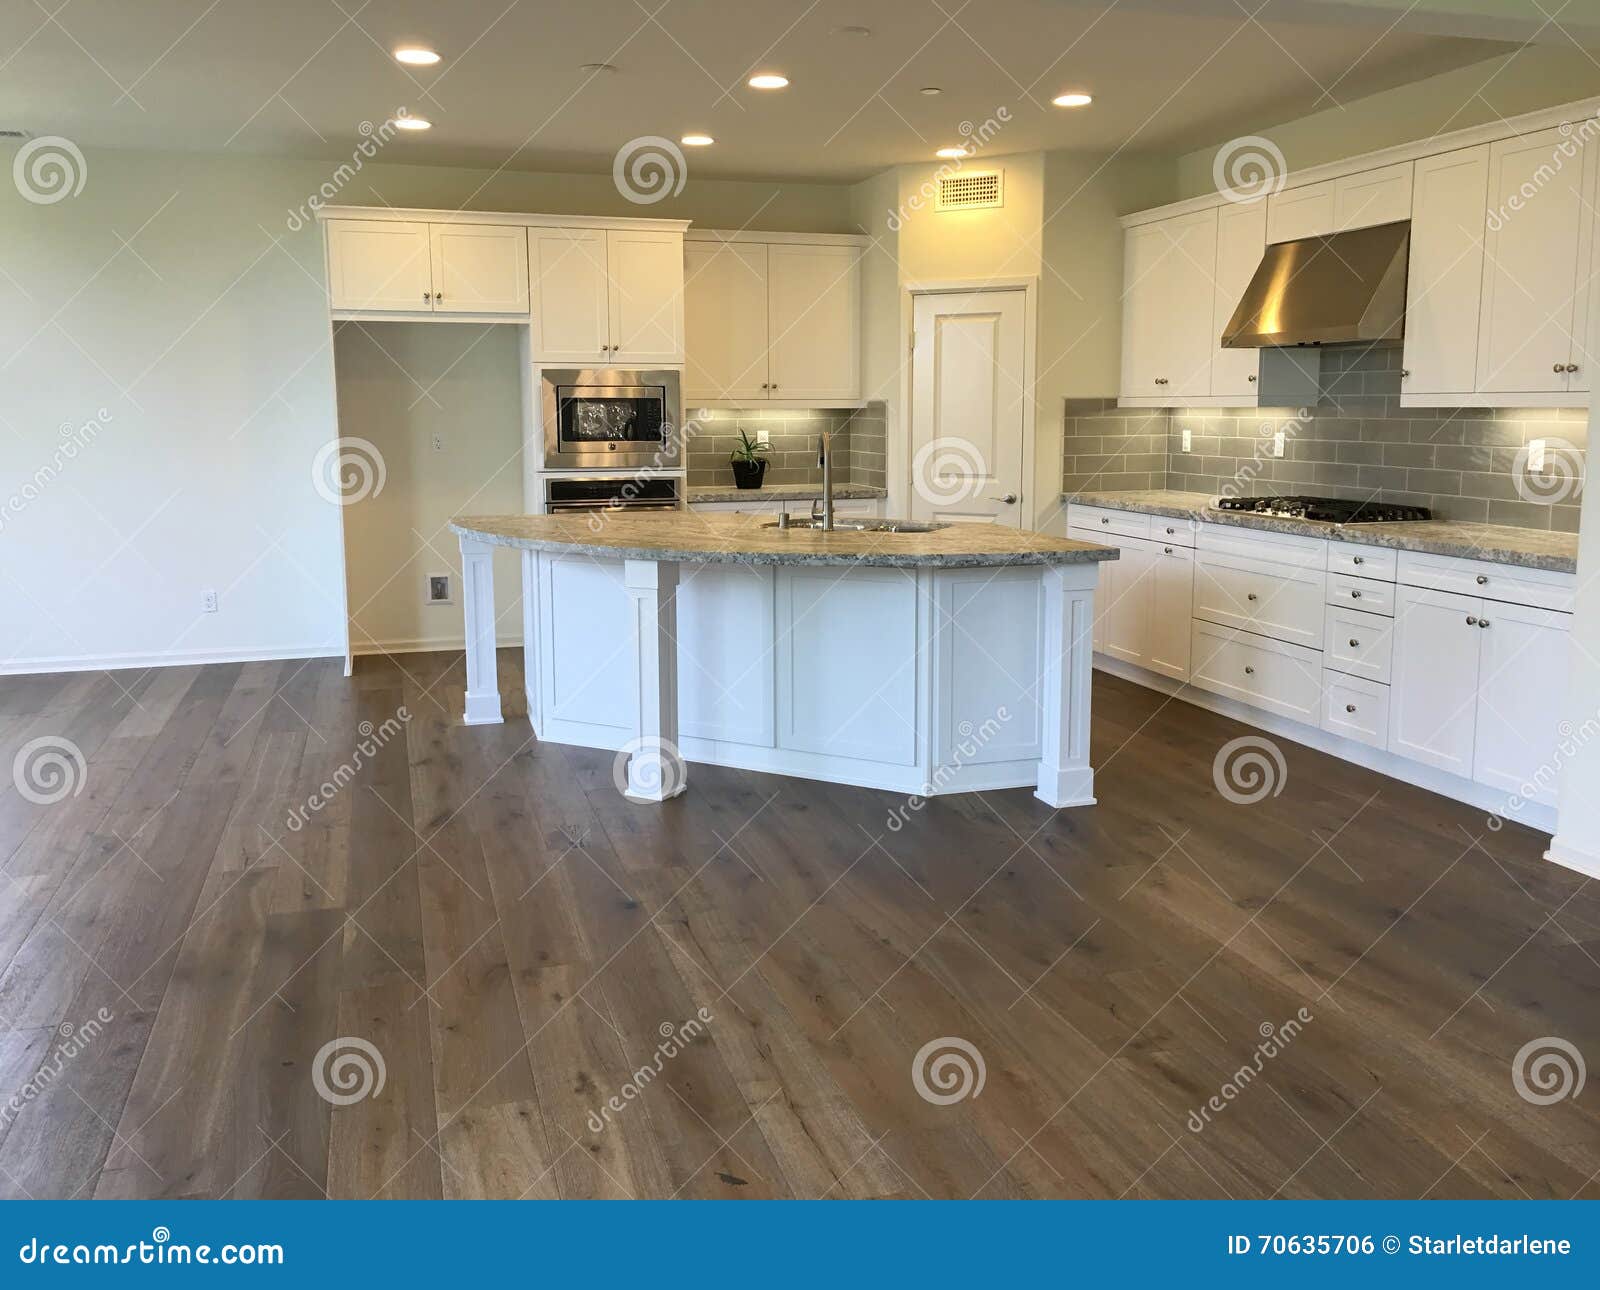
861 526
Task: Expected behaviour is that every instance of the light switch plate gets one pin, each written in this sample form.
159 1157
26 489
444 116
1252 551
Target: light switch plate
763 436
1536 454
1188 440
1278 440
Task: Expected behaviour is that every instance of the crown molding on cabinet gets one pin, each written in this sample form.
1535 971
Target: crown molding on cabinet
419 215
1528 123
776 239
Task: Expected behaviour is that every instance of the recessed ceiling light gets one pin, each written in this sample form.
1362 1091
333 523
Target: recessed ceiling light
697 140
416 55
1073 99
951 153
931 89
411 123
768 81
597 67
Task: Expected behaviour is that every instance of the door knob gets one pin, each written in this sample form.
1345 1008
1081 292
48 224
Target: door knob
1010 499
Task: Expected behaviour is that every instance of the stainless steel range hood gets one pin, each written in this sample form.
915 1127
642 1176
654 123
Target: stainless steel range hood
1326 290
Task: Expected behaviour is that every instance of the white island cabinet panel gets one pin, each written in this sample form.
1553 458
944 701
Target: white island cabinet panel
725 665
586 627
847 663
983 667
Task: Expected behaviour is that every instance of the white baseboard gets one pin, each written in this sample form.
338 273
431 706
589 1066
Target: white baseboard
171 658
426 645
1569 857
1489 800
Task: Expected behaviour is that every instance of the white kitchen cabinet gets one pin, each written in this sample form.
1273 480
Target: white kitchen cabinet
1521 696
611 297
1168 301
1434 678
1241 239
1168 635
1537 247
1144 603
645 271
1444 290
379 265
479 268
813 321
1307 211
725 321
1381 196
1128 585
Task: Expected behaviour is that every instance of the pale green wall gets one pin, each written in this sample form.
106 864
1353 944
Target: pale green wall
1531 78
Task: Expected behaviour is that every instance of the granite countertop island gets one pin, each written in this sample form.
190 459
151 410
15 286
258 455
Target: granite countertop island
780 493
1499 543
746 539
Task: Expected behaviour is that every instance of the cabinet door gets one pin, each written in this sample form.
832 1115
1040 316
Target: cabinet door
1169 294
1522 689
1169 634
570 290
1444 292
479 268
1132 593
1301 212
1241 238
379 264
725 320
1380 196
814 321
1536 213
1433 698
646 269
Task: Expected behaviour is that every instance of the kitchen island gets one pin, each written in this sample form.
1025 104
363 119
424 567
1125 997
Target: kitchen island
948 660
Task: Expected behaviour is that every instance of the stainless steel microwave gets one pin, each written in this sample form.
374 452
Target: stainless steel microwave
598 418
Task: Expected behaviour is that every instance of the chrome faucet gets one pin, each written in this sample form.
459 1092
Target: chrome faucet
825 460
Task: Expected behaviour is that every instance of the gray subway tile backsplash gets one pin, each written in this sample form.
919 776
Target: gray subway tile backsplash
858 439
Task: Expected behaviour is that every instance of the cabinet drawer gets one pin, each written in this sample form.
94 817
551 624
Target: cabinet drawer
1356 708
1288 549
1267 674
1358 644
1361 593
1171 531
1104 520
1260 596
1537 588
1363 561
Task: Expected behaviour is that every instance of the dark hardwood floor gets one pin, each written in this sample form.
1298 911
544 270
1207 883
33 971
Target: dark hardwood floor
487 918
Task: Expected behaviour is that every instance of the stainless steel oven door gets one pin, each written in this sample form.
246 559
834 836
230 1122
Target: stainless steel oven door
603 418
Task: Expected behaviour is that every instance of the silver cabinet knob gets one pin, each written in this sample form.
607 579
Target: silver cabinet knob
1104 519
1161 380
1166 550
765 386
1248 670
427 295
1359 560
1251 379
1354 643
1483 579
1349 707
1483 622
1404 372
1572 367
1472 620
1171 531
1355 595
1250 596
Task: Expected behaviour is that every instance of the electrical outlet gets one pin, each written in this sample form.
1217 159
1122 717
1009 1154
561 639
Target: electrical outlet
208 602
436 589
438 443
763 436
1188 440
1536 454
1278 440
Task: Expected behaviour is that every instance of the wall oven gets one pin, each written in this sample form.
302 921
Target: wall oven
605 418
610 493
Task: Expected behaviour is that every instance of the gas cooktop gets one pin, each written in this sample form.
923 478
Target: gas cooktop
1332 510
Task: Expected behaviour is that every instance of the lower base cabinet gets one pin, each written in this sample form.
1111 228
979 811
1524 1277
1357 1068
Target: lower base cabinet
1145 604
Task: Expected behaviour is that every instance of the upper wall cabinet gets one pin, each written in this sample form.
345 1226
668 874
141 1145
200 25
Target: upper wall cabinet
400 266
1241 239
1168 301
607 296
774 321
1444 288
1539 239
1372 197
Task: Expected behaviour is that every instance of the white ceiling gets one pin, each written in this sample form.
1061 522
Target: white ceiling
298 77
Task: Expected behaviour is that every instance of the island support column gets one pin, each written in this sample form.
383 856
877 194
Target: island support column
477 603
656 769
1065 776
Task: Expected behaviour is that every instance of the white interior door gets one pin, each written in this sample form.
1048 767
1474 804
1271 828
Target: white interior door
969 396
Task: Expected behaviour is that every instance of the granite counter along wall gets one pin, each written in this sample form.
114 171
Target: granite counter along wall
1357 442
858 443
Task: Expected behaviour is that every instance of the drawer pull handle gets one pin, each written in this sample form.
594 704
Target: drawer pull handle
1354 643
1251 596
1105 519
1172 530
1355 595
1360 559
1167 550
1249 671
1472 620
1483 579
1483 622
1349 707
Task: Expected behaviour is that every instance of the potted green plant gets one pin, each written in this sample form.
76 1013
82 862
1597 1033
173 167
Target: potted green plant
749 461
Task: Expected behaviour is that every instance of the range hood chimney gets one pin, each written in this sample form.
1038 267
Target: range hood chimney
1344 287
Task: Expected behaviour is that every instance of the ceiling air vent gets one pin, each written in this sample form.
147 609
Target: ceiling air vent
971 190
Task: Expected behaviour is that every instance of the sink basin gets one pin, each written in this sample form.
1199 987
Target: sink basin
862 526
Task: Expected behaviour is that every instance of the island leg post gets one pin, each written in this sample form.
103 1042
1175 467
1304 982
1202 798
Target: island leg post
1065 776
656 769
477 604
